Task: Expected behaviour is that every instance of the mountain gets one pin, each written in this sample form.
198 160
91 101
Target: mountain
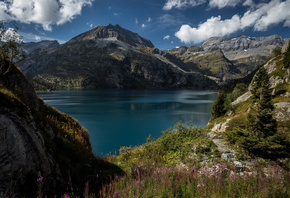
113 57
229 58
262 45
31 46
103 35
235 128
108 57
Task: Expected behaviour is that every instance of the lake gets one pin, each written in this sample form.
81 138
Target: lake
116 118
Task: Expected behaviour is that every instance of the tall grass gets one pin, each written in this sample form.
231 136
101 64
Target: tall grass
200 181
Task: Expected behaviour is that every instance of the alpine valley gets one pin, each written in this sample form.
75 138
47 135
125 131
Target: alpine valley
113 57
242 152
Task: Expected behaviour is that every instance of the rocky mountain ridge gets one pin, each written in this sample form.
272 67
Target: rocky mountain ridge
113 57
237 57
31 46
242 43
108 57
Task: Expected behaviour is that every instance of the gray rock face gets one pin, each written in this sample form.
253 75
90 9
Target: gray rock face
22 152
243 43
22 147
246 53
282 111
112 32
20 86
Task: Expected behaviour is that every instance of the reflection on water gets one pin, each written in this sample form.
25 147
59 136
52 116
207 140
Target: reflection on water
116 118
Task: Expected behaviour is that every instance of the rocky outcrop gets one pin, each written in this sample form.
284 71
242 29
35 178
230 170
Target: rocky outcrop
19 85
36 139
220 127
242 98
282 111
23 152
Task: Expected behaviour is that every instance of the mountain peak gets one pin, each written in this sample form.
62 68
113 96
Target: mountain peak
243 42
113 33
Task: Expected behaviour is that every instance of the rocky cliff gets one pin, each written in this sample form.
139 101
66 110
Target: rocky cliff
38 141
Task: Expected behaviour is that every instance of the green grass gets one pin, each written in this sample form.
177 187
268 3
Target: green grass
174 146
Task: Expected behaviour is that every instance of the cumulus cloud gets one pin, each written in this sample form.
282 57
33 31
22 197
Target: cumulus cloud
260 19
149 19
44 12
223 3
27 37
143 25
182 4
249 3
166 37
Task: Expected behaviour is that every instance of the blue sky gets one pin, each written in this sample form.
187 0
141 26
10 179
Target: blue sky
167 23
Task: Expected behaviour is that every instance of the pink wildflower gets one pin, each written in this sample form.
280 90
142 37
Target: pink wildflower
40 179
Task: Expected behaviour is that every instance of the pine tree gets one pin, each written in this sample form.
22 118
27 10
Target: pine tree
219 108
260 119
286 59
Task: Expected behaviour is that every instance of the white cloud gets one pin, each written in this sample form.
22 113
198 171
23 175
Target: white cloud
276 12
90 24
143 25
260 18
149 19
27 37
44 12
38 38
182 4
136 21
168 20
249 3
212 27
223 3
166 37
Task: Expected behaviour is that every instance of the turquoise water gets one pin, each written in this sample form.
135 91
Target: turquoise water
116 118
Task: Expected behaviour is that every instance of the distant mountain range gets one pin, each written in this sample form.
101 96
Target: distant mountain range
113 57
